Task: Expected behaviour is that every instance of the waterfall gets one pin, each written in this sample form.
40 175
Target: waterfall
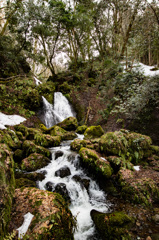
83 197
53 114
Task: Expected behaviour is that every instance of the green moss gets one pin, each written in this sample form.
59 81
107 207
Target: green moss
81 129
34 161
7 186
113 225
24 182
10 138
69 124
95 164
30 147
155 150
93 132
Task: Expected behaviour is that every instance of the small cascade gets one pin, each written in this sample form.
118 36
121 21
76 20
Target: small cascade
53 114
64 174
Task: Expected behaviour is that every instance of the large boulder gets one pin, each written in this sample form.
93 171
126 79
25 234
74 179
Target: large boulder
112 225
77 144
132 146
93 132
81 129
69 124
52 218
34 161
30 147
63 172
95 164
7 187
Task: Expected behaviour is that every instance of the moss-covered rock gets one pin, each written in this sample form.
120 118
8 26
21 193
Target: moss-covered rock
81 129
119 162
52 218
69 124
95 164
34 161
143 189
30 147
7 186
93 132
155 150
24 182
57 131
69 136
33 176
10 138
21 128
113 225
47 90
77 144
131 146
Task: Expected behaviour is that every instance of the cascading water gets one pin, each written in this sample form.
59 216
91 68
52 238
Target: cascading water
64 174
56 113
83 193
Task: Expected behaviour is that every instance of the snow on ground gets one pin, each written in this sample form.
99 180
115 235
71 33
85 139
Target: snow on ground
10 120
145 69
137 168
23 229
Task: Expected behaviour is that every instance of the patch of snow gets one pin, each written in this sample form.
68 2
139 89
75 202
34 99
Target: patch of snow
37 81
10 120
103 159
24 227
147 70
137 168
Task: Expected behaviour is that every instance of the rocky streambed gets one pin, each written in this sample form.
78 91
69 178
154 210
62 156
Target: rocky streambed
109 158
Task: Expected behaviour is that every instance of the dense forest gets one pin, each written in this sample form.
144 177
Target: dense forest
103 56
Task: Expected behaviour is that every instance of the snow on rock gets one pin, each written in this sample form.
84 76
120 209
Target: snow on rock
146 70
24 227
10 120
137 168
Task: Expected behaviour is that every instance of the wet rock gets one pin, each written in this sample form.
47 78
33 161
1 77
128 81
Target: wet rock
63 172
112 225
58 154
93 132
50 186
85 182
34 161
62 189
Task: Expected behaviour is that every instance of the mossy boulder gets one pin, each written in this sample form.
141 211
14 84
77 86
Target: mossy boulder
33 176
34 161
119 162
24 182
95 164
93 132
69 124
77 144
52 218
21 128
69 136
57 131
30 147
7 187
10 138
155 150
44 140
144 190
112 225
81 129
132 146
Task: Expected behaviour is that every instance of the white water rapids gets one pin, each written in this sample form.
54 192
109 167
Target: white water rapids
83 193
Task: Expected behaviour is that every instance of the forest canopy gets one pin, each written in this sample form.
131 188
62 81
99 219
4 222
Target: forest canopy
39 30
